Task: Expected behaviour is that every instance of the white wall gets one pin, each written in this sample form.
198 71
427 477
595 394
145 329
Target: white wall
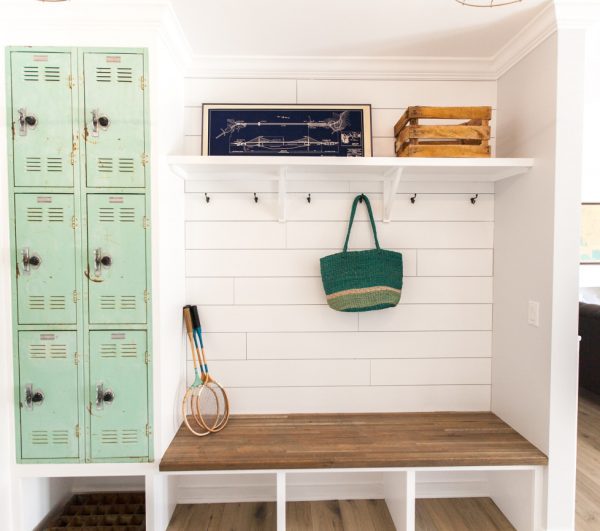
534 369
274 343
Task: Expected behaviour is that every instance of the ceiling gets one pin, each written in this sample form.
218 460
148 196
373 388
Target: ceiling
325 28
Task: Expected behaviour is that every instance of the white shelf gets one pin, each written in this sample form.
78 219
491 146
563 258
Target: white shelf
387 170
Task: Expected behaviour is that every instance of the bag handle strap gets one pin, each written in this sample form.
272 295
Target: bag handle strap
357 199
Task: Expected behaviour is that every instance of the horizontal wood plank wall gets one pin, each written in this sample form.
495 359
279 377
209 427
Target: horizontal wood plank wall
270 337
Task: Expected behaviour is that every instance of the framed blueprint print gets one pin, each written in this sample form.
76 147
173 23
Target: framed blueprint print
287 130
590 233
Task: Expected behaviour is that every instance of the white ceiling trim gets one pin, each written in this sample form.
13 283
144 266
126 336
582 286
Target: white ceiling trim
384 68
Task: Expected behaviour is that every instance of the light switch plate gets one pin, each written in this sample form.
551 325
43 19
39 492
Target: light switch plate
533 313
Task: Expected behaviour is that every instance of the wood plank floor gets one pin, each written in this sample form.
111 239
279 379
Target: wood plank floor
353 441
460 514
587 517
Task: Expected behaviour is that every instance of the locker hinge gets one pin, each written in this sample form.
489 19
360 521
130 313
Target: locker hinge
146 296
75 296
147 358
71 81
143 83
74 223
77 431
148 430
144 159
146 223
76 358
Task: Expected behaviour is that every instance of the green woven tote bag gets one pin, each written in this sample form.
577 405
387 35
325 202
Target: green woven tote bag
361 281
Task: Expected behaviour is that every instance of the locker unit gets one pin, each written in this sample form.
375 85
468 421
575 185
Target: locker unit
80 242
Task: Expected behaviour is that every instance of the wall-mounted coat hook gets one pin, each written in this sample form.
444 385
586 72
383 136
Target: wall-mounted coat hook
360 199
206 198
255 198
474 199
413 199
308 199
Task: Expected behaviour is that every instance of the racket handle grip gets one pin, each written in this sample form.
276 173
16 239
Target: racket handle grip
187 319
195 316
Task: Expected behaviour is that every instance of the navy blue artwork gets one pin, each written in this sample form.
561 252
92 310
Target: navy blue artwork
319 131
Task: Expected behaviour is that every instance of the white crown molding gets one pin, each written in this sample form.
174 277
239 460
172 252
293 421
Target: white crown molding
526 40
313 67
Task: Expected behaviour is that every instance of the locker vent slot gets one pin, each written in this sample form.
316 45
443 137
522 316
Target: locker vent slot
33 164
56 214
124 436
103 74
60 437
128 350
108 350
128 302
37 352
105 164
52 73
108 302
31 73
124 74
106 214
126 165
58 352
54 164
35 214
57 302
36 302
39 437
127 215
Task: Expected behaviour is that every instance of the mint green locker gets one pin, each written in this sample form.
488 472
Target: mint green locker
48 395
119 395
114 119
116 267
45 259
42 119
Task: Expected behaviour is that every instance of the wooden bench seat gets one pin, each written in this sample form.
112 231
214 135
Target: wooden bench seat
380 440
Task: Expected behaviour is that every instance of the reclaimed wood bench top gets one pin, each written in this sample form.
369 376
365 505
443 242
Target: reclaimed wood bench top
372 440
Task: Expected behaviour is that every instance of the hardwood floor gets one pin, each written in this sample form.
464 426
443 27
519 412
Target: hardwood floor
460 514
587 514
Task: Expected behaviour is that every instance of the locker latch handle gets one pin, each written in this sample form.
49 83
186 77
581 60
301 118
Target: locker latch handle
33 397
99 121
103 396
26 121
30 260
101 261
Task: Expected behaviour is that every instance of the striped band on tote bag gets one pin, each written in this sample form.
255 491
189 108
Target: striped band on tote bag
360 281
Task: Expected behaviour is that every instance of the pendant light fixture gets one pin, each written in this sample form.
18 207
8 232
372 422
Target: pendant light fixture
487 3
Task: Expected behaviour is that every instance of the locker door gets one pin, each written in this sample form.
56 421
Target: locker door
45 259
114 119
119 394
48 395
116 259
42 118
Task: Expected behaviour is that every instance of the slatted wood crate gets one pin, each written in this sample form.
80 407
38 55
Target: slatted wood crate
464 139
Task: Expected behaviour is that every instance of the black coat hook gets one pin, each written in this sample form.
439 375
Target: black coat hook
474 199
413 199
308 198
207 199
360 199
255 198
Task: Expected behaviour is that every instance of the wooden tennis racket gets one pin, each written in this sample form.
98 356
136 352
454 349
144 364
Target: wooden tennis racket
213 403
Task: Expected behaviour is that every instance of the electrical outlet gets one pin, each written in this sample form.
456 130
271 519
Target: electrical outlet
533 313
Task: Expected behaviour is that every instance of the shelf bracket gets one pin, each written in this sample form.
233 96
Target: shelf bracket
282 191
391 180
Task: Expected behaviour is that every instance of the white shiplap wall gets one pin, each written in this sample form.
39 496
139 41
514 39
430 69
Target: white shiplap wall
270 337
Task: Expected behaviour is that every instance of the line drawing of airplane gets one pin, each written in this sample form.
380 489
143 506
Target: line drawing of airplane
337 123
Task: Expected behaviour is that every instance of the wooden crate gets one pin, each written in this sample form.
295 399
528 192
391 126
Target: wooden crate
467 139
